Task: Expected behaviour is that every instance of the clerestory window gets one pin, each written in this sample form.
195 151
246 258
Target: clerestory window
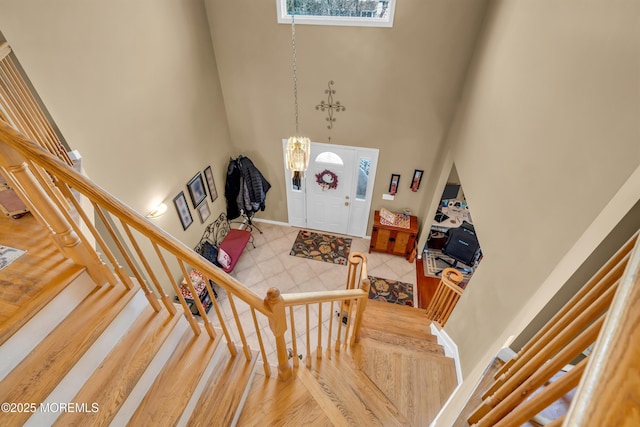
374 13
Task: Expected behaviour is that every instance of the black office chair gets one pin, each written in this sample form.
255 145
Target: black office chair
461 245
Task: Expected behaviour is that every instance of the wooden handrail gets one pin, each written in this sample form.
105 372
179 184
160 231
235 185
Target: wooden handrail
29 149
16 148
302 298
609 392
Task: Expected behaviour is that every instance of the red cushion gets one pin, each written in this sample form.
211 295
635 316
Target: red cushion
233 244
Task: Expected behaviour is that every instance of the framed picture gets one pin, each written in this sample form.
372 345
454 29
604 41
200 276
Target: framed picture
417 178
196 190
183 210
208 174
203 211
393 185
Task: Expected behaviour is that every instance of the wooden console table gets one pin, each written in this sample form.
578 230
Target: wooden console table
393 240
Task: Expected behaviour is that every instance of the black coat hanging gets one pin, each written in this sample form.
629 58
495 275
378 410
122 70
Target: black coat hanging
246 188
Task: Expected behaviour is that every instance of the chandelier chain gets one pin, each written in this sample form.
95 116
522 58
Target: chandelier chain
295 77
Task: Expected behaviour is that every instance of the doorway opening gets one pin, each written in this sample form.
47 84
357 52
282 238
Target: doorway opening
335 194
452 241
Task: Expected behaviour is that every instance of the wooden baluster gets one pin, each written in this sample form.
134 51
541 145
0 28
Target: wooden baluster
609 393
151 296
361 306
604 285
545 397
265 364
243 338
67 239
347 328
31 127
557 422
47 135
122 274
587 294
319 348
187 311
339 334
15 111
516 390
278 325
225 330
63 205
446 296
525 369
330 331
308 336
115 238
203 313
294 339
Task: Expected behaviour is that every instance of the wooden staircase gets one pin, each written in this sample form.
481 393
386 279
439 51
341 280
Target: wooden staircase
396 374
118 362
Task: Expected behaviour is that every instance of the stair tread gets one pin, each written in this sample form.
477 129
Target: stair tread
218 402
114 379
348 395
30 282
272 402
171 391
395 369
33 299
418 331
41 371
405 342
398 308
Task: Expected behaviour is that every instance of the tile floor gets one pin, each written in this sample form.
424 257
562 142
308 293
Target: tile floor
270 265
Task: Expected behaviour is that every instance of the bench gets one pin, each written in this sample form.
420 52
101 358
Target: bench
222 245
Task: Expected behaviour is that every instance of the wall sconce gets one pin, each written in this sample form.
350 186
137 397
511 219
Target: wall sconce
158 211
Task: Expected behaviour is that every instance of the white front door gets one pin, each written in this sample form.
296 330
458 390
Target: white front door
321 203
329 186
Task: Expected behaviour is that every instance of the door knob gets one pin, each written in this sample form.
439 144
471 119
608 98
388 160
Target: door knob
346 203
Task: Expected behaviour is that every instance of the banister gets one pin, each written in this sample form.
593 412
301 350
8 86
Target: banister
609 392
604 314
95 194
293 299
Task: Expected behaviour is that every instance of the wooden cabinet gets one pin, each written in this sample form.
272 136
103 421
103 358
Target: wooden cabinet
391 239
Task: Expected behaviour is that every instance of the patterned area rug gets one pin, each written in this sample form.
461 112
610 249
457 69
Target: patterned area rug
321 247
8 255
391 291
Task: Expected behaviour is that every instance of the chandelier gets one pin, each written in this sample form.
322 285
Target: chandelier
298 147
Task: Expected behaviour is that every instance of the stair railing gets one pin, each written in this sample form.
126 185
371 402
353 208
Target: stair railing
350 302
604 316
135 239
51 197
18 106
446 296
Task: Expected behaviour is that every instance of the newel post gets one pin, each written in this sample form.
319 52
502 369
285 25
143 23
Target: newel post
360 307
38 200
278 325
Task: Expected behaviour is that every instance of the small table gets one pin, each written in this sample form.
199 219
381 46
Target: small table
392 239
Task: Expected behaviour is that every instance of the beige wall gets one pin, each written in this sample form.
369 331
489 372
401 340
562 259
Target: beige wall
133 86
547 148
399 86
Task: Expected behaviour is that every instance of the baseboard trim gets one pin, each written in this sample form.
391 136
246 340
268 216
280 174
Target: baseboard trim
450 348
269 221
286 224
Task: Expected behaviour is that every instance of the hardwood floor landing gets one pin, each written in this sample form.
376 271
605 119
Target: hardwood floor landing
31 281
276 403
